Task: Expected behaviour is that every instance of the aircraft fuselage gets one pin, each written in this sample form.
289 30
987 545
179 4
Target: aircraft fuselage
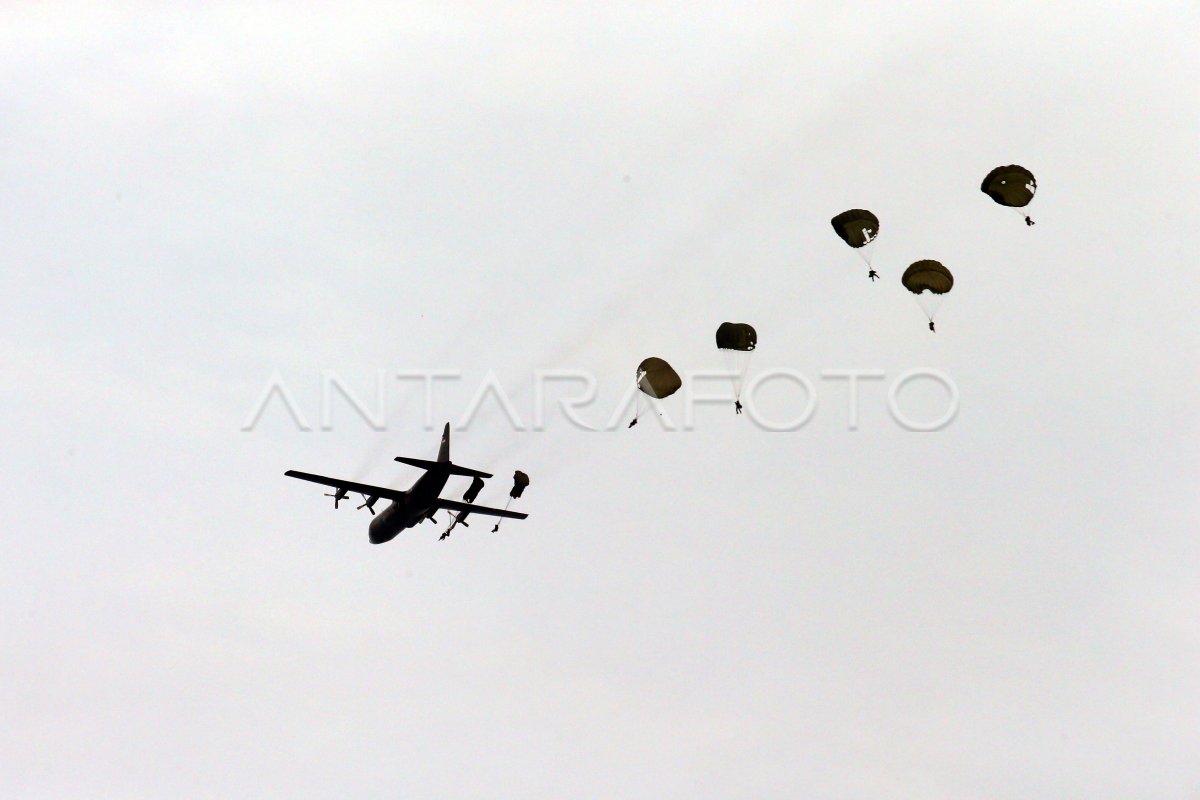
418 503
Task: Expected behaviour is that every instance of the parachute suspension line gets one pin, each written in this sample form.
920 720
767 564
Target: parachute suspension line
637 401
929 305
737 363
871 273
496 528
867 254
737 399
640 408
1021 213
637 409
920 305
729 357
867 251
741 378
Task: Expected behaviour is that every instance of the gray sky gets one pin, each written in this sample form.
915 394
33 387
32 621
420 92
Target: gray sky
198 198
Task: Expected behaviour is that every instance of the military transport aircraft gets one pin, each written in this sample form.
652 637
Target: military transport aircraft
411 507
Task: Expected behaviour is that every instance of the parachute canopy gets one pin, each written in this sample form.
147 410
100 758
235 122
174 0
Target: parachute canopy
927 275
656 378
857 227
736 336
520 481
1012 186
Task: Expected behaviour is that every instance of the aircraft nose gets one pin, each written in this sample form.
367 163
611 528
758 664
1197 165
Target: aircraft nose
379 532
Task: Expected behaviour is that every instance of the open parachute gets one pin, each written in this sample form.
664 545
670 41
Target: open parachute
736 341
1012 186
656 378
858 228
930 277
736 336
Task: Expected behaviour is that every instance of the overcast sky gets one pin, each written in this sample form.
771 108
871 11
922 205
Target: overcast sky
201 200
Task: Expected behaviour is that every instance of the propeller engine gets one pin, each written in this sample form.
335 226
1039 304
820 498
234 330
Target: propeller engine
369 504
338 496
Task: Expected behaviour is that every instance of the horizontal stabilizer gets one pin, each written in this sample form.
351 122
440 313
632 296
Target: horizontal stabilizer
453 469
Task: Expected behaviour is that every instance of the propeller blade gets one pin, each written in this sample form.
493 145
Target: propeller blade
368 504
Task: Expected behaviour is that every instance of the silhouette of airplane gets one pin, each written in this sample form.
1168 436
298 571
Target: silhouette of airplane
411 507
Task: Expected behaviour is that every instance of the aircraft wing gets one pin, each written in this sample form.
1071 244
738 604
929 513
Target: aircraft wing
454 505
350 486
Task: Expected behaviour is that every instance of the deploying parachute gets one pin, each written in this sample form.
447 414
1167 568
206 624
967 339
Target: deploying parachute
468 497
520 481
736 341
471 493
1012 186
858 228
656 378
928 276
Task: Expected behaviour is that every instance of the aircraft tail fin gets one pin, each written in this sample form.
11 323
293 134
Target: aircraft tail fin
443 460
